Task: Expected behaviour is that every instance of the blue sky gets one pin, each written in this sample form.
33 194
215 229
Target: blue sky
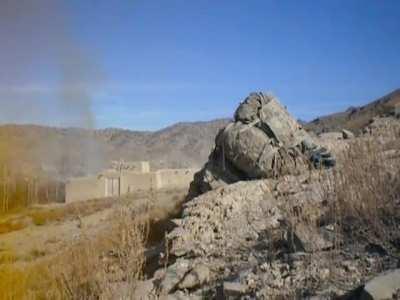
147 64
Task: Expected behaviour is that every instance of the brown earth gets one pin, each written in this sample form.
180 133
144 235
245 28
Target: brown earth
66 152
356 118
35 255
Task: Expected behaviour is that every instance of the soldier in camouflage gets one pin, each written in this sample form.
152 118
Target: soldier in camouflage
264 141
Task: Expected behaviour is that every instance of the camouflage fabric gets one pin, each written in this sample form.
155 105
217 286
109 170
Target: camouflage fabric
264 141
256 154
265 112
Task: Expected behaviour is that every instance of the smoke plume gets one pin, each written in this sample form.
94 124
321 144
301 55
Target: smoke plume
47 76
45 70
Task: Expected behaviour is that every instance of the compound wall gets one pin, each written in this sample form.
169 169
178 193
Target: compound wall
175 178
134 166
114 184
133 182
85 188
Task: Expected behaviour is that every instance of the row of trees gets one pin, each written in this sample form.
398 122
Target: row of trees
21 190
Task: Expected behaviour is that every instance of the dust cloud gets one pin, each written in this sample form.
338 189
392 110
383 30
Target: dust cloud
47 76
44 67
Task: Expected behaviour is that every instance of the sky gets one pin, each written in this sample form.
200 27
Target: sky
144 65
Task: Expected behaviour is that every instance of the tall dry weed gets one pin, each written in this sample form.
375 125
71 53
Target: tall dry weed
358 211
367 192
115 256
88 269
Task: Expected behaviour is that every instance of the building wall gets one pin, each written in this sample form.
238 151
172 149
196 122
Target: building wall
133 166
145 167
112 186
115 184
133 181
86 188
175 178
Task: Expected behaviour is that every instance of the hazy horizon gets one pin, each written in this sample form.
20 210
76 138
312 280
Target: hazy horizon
173 123
144 65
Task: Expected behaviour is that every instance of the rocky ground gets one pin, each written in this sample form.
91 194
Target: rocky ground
288 238
315 233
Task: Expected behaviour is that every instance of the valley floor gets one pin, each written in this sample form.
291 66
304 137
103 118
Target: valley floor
41 236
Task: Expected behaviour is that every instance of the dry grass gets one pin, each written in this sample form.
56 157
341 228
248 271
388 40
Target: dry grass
43 215
86 270
17 283
8 256
39 216
9 226
120 259
356 209
367 194
95 266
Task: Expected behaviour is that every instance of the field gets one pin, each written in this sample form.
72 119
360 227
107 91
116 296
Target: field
78 250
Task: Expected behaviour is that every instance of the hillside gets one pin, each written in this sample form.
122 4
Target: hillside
355 118
65 152
68 152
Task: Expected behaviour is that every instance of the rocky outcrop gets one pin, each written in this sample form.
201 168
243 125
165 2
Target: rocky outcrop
263 239
385 286
356 118
263 222
239 212
382 127
347 134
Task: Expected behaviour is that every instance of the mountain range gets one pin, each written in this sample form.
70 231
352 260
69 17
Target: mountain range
67 152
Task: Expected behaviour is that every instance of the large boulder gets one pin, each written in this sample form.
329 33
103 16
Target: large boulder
263 141
347 134
384 286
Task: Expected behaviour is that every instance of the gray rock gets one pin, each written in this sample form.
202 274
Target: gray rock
174 275
232 289
333 135
143 290
198 276
180 295
347 134
384 286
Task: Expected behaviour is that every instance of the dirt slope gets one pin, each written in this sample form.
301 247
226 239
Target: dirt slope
355 118
72 152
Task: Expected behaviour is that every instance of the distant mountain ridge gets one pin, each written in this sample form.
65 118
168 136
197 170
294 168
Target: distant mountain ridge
356 118
73 151
66 152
